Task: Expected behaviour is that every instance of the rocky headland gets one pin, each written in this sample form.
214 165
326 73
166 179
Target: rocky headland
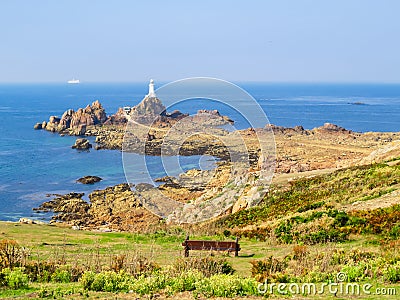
298 151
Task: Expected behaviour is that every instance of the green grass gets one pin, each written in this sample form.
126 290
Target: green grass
166 248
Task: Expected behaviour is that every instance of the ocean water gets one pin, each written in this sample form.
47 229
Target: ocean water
36 163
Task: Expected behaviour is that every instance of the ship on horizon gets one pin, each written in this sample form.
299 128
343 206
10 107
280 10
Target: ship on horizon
73 81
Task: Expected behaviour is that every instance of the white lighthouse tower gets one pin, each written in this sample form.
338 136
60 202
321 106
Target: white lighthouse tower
151 93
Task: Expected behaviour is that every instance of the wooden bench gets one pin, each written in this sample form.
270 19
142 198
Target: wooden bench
210 245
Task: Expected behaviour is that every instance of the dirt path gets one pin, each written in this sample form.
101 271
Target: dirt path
380 202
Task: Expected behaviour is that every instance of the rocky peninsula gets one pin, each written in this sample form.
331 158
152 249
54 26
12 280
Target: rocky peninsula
298 151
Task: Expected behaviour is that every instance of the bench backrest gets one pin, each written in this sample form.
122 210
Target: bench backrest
211 245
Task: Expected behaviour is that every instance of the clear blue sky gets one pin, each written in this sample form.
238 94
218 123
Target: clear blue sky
277 40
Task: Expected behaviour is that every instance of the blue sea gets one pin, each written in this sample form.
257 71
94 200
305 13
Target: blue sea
36 163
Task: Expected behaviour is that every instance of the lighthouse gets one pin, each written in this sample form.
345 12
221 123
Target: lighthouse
151 93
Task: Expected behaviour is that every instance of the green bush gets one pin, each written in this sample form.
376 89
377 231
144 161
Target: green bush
15 278
222 285
61 275
219 285
392 273
145 285
185 281
283 232
325 236
311 206
107 281
394 233
46 271
354 273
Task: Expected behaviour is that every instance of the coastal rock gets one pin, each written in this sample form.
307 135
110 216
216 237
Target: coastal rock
90 115
149 106
144 187
206 116
166 179
71 203
82 144
89 179
287 130
75 122
81 130
119 118
329 127
37 126
147 111
54 120
116 207
52 124
66 118
30 221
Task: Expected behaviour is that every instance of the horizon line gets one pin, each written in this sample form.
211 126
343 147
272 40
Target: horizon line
233 81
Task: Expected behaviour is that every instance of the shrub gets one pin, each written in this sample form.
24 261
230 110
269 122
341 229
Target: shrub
46 271
140 266
394 233
61 275
324 236
145 285
40 271
392 273
222 285
15 278
208 266
354 273
107 281
300 252
186 281
11 254
87 279
261 269
311 206
283 232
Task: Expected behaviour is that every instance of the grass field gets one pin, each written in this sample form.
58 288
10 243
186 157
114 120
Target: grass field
96 250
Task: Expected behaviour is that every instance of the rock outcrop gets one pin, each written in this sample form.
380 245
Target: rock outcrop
332 128
82 144
119 118
75 122
67 207
112 209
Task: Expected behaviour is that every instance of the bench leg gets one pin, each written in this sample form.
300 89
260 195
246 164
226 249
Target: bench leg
237 247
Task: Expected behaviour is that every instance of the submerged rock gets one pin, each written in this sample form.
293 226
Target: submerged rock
89 179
